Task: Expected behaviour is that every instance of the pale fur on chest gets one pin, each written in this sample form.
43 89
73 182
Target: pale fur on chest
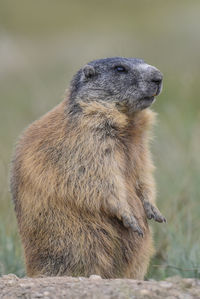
129 134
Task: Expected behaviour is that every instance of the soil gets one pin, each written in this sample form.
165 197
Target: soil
94 287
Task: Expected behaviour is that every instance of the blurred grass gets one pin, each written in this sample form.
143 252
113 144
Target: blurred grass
43 43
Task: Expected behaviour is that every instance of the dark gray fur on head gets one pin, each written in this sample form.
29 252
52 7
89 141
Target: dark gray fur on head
128 82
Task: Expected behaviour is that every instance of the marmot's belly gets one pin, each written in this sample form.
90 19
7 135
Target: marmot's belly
86 246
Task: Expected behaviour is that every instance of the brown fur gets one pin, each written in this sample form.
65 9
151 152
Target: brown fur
72 180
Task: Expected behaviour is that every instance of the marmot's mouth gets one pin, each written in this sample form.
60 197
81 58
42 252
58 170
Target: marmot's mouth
146 102
149 99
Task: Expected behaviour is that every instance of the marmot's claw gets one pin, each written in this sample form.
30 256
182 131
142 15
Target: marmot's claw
153 213
131 222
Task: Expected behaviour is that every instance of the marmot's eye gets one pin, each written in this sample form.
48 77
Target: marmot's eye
120 69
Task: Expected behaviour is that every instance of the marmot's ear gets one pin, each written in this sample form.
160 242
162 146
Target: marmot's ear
88 71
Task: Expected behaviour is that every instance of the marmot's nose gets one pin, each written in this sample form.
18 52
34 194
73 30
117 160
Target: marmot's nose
151 73
156 76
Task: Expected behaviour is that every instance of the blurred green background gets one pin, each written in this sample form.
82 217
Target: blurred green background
43 43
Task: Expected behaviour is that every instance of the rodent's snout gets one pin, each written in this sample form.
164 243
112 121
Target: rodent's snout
150 85
155 77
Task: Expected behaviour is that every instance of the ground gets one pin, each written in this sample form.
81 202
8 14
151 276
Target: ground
94 287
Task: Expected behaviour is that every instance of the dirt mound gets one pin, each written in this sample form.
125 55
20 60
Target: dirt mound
94 287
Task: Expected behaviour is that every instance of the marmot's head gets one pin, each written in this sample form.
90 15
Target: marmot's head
129 82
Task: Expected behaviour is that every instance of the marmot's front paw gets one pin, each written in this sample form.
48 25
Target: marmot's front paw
131 222
152 212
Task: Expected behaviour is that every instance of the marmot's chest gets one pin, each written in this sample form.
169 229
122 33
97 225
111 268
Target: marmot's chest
134 152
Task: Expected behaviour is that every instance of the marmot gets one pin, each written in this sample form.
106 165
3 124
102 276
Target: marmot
81 177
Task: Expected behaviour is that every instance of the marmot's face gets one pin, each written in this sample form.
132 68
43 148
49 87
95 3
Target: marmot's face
129 82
